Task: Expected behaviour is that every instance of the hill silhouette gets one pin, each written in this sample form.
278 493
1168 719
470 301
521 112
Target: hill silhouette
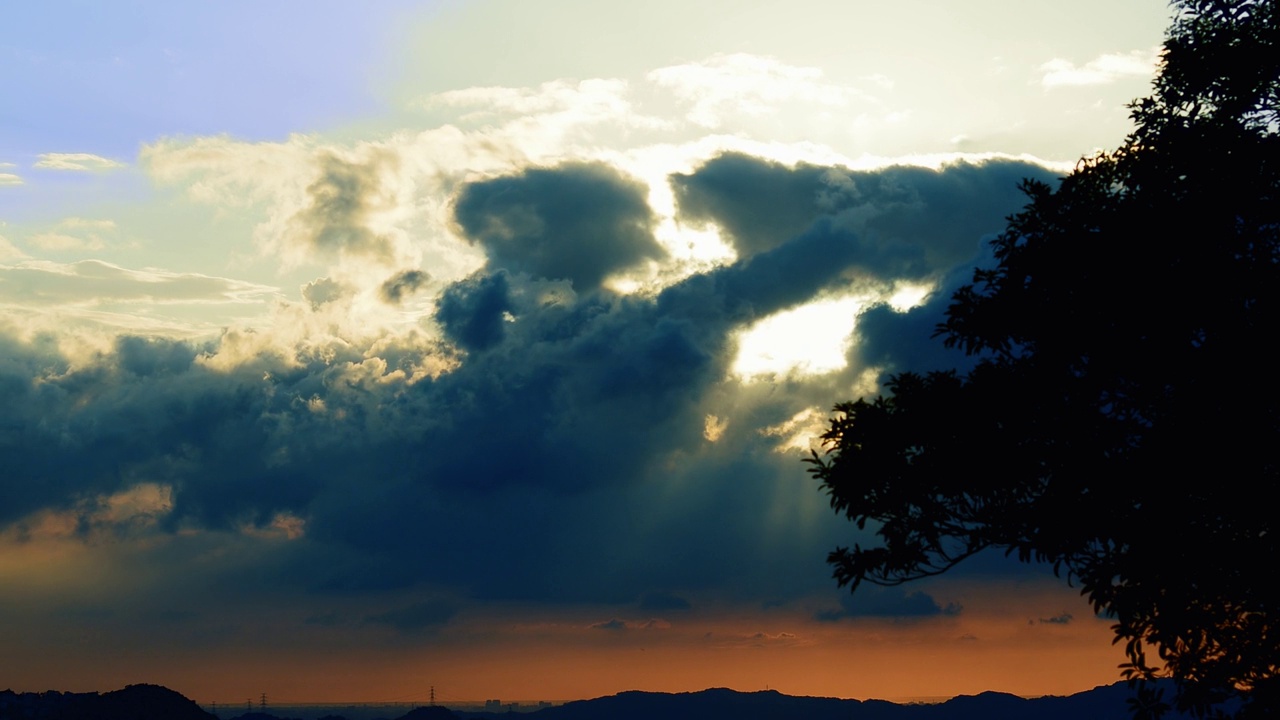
133 702
153 702
1102 703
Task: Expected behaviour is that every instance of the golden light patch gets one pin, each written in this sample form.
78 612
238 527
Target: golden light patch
713 428
801 432
808 340
284 526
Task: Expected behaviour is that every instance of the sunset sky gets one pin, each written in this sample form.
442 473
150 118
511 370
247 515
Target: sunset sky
353 349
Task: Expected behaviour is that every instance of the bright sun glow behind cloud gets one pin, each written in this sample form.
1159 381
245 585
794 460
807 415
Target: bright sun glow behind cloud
810 339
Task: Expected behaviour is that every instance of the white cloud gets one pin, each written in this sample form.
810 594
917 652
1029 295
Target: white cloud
56 242
600 98
82 162
74 233
353 208
743 84
551 120
224 171
1101 70
9 179
8 251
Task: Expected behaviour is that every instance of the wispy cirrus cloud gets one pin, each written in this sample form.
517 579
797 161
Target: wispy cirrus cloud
616 625
80 162
75 233
93 282
9 178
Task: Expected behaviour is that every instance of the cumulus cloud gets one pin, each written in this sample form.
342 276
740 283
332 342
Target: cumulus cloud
579 222
474 311
10 179
81 162
322 291
898 223
894 213
550 435
1102 70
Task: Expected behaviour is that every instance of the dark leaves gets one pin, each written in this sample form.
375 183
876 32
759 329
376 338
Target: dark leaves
1121 417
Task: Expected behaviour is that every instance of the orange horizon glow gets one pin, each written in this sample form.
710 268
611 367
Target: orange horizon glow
992 648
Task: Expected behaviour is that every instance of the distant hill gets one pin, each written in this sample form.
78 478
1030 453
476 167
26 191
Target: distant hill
134 702
1102 703
152 702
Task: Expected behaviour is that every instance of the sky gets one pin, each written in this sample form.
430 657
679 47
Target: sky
353 350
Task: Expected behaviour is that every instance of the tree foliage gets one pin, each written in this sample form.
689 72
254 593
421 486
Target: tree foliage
1121 422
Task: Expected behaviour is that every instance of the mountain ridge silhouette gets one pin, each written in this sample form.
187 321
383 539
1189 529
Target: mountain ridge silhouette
155 702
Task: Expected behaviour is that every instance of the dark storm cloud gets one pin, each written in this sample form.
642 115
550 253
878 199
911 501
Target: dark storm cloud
760 203
473 312
912 221
886 602
1063 619
561 456
579 221
616 625
908 340
146 357
401 285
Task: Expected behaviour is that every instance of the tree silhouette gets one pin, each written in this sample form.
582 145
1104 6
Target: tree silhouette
1122 419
